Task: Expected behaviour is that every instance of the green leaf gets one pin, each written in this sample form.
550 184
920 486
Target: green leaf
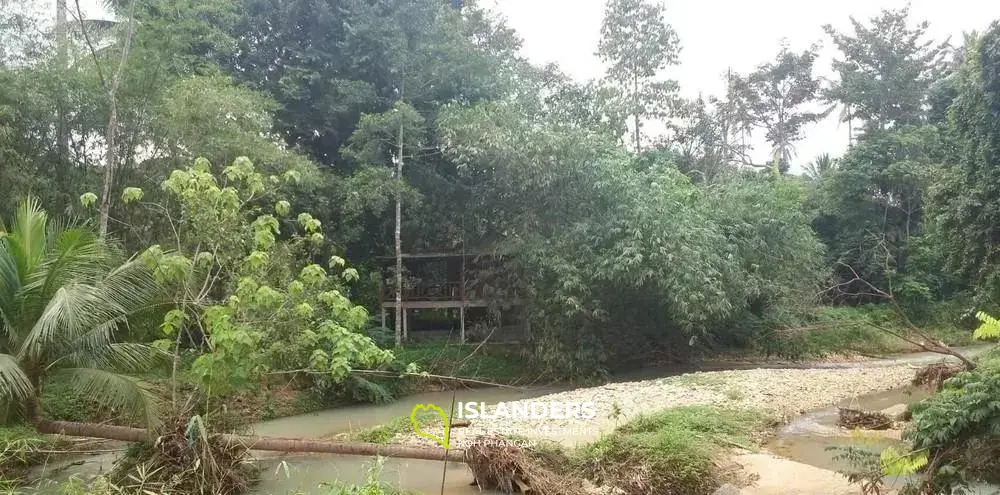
989 327
895 463
131 195
88 199
173 321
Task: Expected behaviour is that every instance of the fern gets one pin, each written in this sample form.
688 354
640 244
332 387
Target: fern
895 463
989 327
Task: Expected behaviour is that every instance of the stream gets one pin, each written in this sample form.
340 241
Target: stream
306 473
804 439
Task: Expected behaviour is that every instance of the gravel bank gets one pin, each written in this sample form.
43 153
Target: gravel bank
785 392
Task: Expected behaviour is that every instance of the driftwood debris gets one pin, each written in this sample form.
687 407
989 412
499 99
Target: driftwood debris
275 444
934 375
866 420
501 464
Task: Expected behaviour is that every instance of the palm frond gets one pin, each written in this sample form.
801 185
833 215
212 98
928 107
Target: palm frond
74 256
76 310
66 314
26 237
14 384
135 398
98 337
10 286
122 357
130 287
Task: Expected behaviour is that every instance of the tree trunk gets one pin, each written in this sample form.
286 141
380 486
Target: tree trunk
110 161
399 243
272 444
850 128
62 137
111 134
61 30
635 108
31 406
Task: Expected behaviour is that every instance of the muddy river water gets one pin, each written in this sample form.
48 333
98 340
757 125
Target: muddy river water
306 474
806 439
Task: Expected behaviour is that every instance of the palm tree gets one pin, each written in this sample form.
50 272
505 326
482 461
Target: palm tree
820 167
63 296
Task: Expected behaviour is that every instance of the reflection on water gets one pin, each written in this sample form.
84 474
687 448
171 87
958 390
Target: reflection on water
313 474
353 418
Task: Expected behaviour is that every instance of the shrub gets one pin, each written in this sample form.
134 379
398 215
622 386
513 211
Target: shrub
825 330
959 430
956 433
371 486
491 363
384 433
19 446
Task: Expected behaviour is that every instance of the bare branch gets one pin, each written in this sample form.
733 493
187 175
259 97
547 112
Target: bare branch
927 343
90 45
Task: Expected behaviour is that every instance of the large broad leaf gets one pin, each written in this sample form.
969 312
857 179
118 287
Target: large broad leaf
989 327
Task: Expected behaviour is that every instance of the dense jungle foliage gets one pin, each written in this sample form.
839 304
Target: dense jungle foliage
623 247
197 193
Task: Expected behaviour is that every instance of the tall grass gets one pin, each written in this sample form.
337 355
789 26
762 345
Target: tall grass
673 451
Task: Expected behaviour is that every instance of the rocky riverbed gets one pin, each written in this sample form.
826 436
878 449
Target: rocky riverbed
783 392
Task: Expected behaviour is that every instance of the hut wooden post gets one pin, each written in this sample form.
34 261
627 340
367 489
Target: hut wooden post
461 309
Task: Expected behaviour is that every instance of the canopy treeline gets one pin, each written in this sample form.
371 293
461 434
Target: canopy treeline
625 246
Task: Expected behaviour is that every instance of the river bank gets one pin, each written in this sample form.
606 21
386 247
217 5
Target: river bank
783 393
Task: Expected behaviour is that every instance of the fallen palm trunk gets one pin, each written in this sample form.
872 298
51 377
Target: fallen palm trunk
274 444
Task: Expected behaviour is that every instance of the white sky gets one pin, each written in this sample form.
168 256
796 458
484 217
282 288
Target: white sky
719 34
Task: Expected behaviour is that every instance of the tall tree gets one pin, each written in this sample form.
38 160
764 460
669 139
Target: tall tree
886 70
637 44
967 200
873 206
705 139
775 97
385 138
